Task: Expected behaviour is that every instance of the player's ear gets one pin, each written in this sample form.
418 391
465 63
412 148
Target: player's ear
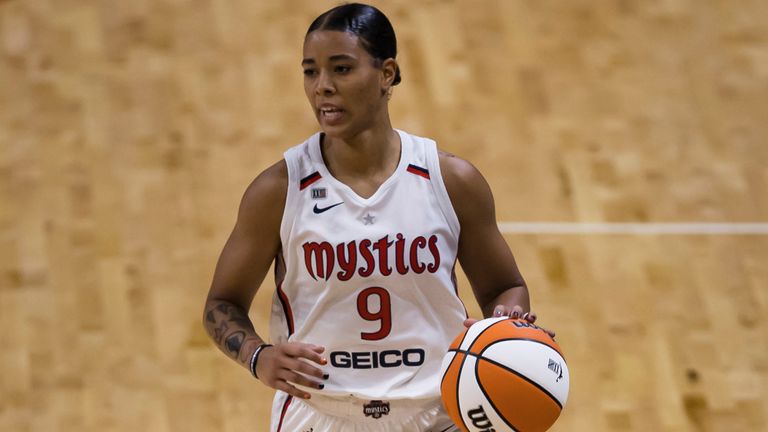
389 70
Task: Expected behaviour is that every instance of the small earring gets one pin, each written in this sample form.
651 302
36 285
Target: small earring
389 93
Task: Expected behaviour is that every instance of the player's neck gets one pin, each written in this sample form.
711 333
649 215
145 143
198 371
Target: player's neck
372 152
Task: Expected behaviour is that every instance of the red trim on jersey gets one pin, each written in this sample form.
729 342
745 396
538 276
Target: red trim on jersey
419 171
286 308
456 289
308 180
282 413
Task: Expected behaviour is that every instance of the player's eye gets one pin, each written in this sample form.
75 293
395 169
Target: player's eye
342 69
309 72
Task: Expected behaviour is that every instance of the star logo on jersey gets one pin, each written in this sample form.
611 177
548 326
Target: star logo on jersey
319 210
368 219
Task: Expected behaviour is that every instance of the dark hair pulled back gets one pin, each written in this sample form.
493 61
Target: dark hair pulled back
370 25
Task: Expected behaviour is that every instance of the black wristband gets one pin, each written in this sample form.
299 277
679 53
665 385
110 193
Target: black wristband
255 358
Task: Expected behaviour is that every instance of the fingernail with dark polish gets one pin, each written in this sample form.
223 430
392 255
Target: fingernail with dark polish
321 386
325 376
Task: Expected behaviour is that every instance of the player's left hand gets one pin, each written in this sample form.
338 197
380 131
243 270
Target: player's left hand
513 312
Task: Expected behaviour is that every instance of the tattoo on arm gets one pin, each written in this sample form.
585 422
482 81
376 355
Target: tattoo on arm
234 342
220 332
231 329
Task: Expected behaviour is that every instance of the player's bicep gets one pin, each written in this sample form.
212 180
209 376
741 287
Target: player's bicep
483 253
488 263
241 268
254 241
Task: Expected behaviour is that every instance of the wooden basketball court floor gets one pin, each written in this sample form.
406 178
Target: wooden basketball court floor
129 130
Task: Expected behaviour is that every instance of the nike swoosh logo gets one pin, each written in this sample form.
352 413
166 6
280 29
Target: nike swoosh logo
319 210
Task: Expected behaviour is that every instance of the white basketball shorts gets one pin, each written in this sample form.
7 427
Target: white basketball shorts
349 414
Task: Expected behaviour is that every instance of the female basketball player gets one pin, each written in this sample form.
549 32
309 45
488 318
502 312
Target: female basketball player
364 224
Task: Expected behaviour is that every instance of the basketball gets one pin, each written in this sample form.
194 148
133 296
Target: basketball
504 374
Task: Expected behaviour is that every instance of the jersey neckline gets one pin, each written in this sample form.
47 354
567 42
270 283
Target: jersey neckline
317 157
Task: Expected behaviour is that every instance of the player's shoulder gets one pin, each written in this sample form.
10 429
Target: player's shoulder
468 190
459 175
268 190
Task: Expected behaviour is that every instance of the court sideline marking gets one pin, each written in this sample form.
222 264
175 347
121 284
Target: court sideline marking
678 228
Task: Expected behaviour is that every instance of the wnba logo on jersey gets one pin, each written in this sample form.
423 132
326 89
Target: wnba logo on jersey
365 256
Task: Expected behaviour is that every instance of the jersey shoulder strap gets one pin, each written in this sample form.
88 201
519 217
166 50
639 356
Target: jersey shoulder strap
302 173
426 162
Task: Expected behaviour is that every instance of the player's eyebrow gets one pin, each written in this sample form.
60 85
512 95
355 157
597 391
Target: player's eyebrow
335 57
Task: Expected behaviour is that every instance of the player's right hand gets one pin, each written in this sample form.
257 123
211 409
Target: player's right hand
283 365
513 312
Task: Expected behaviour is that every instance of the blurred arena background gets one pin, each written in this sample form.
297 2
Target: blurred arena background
130 129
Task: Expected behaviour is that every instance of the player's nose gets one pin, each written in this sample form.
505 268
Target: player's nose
324 84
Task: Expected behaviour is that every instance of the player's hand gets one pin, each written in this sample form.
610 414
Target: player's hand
283 365
512 312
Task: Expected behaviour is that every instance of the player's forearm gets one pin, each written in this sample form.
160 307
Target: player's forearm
510 297
231 329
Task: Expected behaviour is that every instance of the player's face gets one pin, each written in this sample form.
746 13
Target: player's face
345 88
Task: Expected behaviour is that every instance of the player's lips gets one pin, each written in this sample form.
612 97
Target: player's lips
330 113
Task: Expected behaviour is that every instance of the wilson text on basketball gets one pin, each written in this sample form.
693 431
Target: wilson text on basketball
480 419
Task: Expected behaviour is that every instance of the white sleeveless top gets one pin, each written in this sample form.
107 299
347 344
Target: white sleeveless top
370 279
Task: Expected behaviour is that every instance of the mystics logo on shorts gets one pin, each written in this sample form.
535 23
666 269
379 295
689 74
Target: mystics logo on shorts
376 409
365 256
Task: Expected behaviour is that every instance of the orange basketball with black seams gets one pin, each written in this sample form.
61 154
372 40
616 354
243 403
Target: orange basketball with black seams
504 374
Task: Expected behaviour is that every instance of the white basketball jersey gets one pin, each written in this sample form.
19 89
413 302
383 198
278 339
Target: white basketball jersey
370 279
